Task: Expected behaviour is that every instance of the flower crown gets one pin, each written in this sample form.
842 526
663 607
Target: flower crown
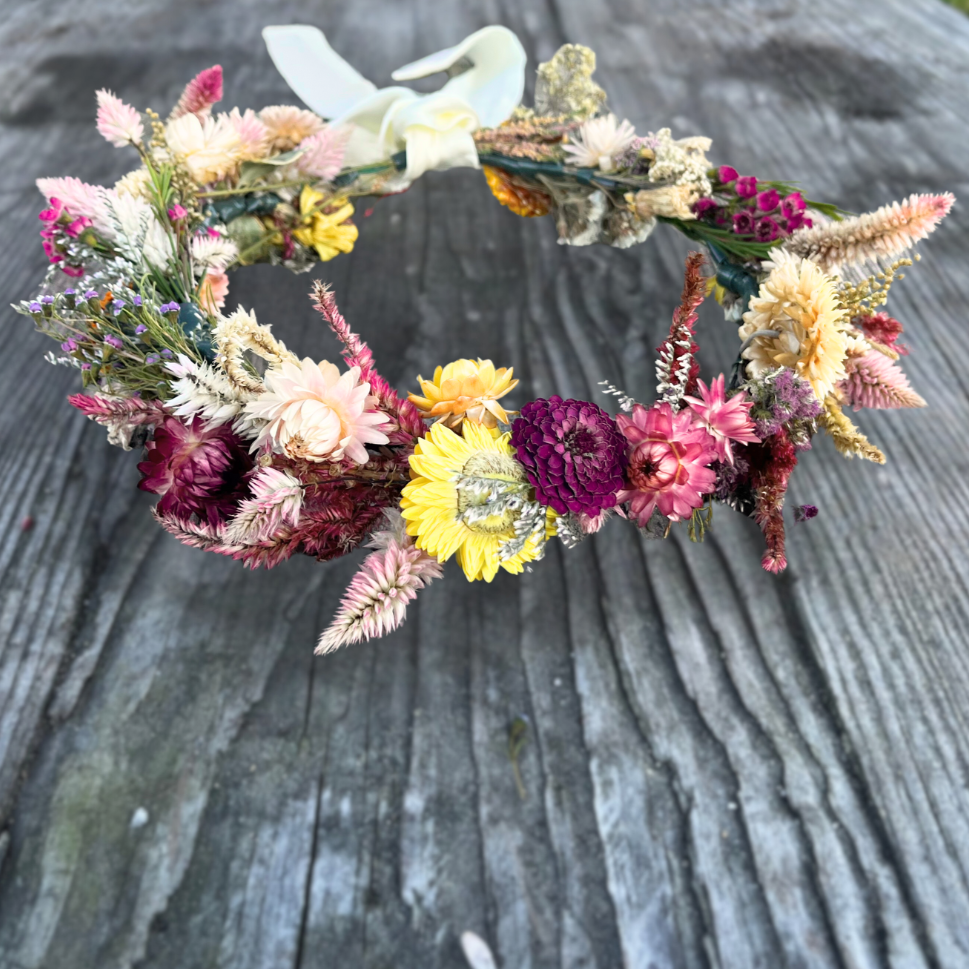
294 455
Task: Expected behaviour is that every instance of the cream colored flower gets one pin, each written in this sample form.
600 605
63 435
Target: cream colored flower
800 303
287 125
318 414
598 142
210 149
137 184
668 201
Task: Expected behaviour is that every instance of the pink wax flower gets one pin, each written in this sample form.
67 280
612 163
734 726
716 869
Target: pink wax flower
768 200
668 468
78 226
726 174
52 214
792 205
73 271
746 187
725 418
177 212
118 123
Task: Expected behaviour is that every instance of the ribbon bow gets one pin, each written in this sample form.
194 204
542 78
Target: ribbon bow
487 78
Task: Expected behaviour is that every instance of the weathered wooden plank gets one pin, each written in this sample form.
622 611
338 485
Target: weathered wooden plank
721 768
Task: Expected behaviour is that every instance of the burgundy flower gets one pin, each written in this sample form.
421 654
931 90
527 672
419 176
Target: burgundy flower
743 223
572 452
196 470
702 206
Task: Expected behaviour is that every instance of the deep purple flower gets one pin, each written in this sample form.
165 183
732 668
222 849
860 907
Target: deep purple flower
702 206
746 187
768 200
805 513
767 229
114 341
743 223
725 173
196 470
572 452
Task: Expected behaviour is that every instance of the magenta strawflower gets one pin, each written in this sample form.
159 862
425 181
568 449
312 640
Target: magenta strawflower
572 452
766 230
725 418
668 468
197 470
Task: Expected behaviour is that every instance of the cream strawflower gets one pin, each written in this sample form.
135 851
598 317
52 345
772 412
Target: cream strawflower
597 143
287 125
317 414
801 303
210 149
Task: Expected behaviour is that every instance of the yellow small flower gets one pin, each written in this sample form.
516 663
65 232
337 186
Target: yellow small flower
326 232
439 514
465 388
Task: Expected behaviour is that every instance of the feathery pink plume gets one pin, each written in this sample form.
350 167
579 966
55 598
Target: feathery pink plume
196 534
356 353
875 381
874 237
882 328
677 368
769 480
204 90
79 199
277 501
119 410
323 152
118 122
376 600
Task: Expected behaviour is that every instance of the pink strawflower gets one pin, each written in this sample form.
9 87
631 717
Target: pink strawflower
376 600
323 153
196 469
668 466
118 122
213 291
277 499
253 134
204 90
316 413
725 418
875 381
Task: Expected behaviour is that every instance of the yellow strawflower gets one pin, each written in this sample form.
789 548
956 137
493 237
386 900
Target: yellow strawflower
466 388
326 232
446 520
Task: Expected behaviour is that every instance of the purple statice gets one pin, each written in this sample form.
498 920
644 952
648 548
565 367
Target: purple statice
69 346
805 513
35 308
47 300
731 478
166 353
117 306
140 328
136 301
782 399
114 341
573 454
152 358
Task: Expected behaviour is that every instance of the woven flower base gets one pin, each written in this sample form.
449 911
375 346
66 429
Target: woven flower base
295 455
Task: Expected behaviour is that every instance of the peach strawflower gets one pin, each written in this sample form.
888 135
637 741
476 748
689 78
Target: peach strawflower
465 388
318 414
287 125
800 303
213 291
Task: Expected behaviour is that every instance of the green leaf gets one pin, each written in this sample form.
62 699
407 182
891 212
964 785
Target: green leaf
251 172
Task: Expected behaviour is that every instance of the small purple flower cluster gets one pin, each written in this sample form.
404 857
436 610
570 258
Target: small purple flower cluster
172 307
783 399
752 208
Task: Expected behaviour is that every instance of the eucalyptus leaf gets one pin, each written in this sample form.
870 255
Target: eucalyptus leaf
249 234
251 171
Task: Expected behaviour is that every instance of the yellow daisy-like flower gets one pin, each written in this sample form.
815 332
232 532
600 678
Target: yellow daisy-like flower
326 232
465 388
446 520
801 303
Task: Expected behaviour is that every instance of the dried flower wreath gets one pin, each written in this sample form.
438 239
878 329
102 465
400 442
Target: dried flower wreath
297 456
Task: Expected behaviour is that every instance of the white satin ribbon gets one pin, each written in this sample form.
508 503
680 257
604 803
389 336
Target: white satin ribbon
436 129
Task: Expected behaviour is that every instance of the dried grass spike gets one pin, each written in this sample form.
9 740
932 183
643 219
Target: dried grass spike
847 438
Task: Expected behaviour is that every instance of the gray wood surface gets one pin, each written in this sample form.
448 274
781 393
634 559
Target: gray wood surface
723 768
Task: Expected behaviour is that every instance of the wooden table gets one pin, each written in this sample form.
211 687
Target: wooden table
722 768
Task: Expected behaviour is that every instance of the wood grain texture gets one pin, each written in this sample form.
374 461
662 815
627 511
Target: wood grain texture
722 768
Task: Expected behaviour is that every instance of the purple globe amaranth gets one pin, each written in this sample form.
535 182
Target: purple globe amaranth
573 453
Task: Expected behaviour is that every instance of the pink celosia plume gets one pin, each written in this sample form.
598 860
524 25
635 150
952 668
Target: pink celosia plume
277 499
79 199
118 122
677 367
726 419
772 465
323 153
882 328
376 600
204 90
875 381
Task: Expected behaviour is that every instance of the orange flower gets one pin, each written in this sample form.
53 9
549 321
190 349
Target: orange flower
522 201
466 389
